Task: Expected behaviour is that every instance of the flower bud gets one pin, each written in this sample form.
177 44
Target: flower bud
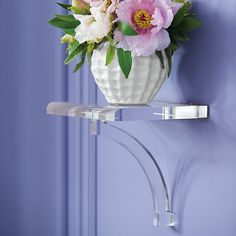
67 39
79 3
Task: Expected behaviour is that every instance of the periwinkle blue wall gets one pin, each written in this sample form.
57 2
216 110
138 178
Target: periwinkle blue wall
200 155
32 158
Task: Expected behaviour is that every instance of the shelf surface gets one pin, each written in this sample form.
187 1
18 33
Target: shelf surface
154 111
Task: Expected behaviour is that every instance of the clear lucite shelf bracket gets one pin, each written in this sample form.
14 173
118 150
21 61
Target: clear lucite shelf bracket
163 215
162 206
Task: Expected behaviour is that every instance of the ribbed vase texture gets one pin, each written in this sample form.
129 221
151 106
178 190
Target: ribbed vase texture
146 78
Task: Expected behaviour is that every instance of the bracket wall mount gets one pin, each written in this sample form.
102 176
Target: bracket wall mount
102 123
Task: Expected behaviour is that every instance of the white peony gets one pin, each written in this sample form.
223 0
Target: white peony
109 5
93 27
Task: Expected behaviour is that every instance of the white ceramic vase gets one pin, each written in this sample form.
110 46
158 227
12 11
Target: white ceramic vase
146 78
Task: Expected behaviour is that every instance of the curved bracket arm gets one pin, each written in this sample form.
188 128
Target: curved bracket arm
163 215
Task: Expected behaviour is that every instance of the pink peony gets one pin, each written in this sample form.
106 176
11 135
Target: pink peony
150 18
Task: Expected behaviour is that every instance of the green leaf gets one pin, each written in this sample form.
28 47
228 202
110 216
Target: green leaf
187 4
90 48
180 1
62 24
81 63
70 31
169 54
110 39
110 54
126 28
182 12
65 6
173 44
178 35
74 53
178 17
72 47
189 23
160 56
66 18
125 61
187 7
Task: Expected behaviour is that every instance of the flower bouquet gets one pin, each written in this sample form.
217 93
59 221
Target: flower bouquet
129 43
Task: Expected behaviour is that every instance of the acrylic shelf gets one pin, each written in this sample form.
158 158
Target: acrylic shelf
155 111
103 119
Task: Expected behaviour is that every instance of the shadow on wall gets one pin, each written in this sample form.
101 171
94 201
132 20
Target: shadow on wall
206 74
